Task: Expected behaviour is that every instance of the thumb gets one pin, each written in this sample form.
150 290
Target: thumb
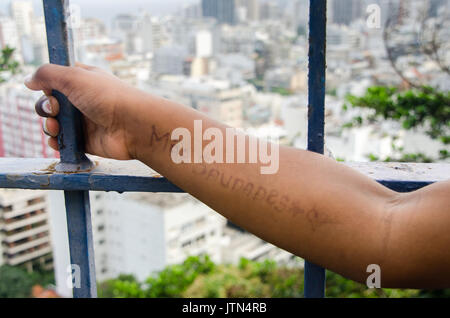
53 77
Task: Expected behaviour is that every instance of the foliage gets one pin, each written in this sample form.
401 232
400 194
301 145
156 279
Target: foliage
199 277
16 282
174 280
301 30
248 279
281 90
258 83
124 286
7 63
427 108
170 282
424 108
338 286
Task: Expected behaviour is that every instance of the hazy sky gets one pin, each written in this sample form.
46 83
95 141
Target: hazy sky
106 9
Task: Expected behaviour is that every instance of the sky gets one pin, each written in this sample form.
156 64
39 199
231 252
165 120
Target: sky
107 9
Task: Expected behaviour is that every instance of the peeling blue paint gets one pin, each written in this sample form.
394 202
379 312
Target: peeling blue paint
71 148
315 275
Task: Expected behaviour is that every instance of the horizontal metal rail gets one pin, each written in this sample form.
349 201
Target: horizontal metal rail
134 176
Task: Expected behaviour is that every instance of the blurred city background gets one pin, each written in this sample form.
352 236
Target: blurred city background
245 63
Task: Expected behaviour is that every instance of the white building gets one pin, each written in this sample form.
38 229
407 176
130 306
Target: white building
245 245
23 14
204 44
217 98
24 229
9 36
139 233
294 115
21 132
170 60
39 41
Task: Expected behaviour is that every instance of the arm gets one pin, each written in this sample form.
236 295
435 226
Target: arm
313 207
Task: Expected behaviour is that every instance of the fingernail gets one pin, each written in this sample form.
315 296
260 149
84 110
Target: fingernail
44 127
27 79
46 107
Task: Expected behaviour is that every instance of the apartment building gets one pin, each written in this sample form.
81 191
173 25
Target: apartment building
23 14
24 229
21 132
139 233
9 36
238 244
217 98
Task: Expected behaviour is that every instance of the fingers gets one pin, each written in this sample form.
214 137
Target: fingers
51 76
51 127
85 67
47 106
91 68
53 143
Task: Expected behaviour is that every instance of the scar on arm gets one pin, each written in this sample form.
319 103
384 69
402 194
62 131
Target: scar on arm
387 224
161 139
318 219
270 197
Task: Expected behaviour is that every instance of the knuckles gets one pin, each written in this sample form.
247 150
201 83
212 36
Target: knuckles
51 76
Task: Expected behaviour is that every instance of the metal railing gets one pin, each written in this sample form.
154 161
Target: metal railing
76 174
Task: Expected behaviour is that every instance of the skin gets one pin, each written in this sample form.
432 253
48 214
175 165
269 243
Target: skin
312 207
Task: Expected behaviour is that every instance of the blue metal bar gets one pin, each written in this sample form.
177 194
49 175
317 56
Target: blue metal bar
81 244
315 275
59 38
134 176
71 143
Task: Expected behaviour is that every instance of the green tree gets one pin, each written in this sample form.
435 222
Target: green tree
7 62
124 286
200 277
15 282
424 108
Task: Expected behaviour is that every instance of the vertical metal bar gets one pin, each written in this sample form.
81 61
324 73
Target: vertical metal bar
72 154
315 275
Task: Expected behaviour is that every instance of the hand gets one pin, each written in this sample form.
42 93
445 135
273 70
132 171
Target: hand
102 99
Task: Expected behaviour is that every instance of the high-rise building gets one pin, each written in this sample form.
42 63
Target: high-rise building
435 5
222 10
204 44
252 8
23 14
299 11
21 132
151 34
9 36
270 11
24 229
139 233
192 11
170 60
39 41
126 28
346 11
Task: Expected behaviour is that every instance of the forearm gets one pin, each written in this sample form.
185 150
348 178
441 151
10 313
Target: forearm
313 206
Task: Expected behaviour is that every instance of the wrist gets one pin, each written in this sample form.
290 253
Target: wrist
139 115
